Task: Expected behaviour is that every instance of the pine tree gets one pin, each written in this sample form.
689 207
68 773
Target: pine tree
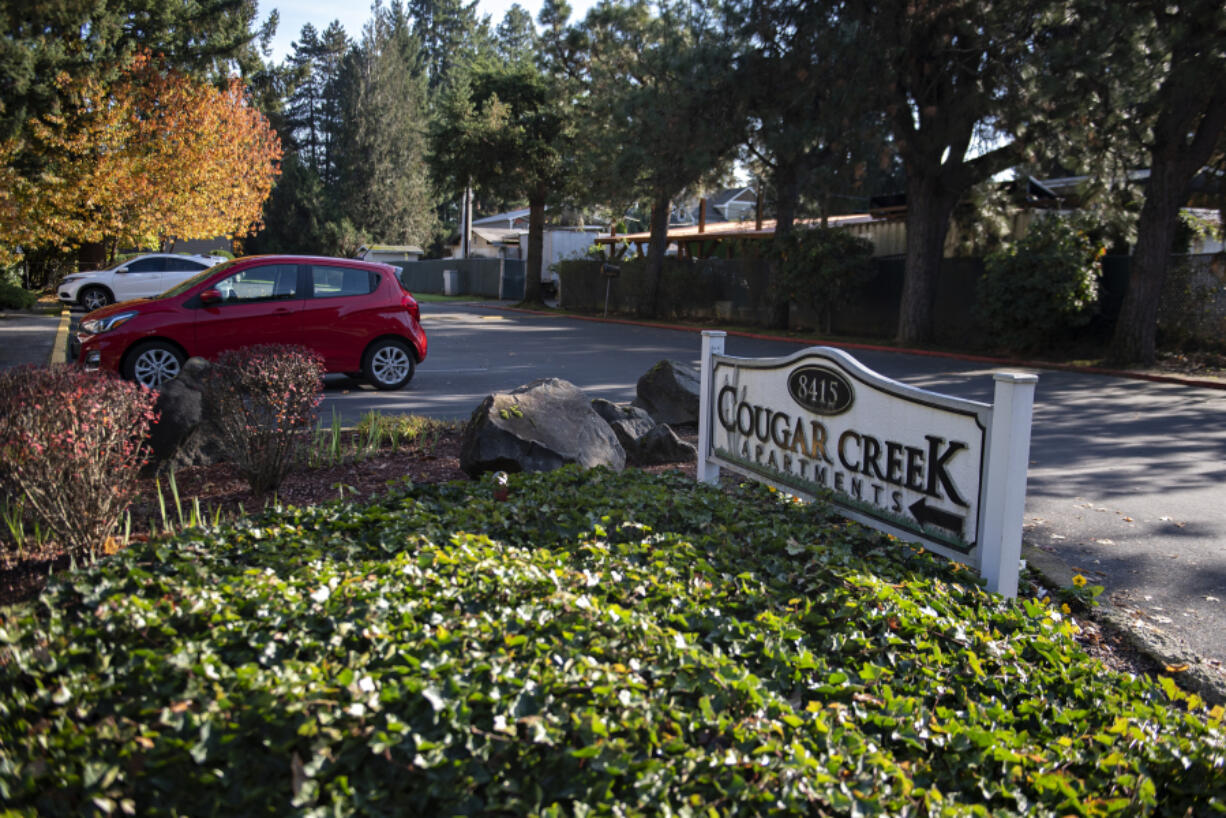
445 30
381 184
661 114
313 110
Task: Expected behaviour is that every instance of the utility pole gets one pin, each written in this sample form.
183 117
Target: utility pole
466 223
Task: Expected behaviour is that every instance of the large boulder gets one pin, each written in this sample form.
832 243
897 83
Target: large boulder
181 437
669 392
628 422
661 445
542 426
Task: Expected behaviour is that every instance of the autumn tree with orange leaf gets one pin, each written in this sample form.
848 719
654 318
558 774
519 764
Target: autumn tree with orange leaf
155 155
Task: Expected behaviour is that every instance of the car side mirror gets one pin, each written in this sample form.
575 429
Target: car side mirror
122 270
210 297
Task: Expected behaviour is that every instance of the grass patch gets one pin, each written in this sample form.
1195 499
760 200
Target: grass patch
375 432
599 643
438 298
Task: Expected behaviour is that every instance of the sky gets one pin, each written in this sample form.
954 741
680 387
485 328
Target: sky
354 14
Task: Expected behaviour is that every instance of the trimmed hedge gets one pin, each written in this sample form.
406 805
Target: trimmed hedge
71 446
13 297
261 401
599 643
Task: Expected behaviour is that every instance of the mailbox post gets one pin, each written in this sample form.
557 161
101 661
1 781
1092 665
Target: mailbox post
610 272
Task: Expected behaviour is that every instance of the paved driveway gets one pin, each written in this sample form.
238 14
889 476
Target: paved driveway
1127 480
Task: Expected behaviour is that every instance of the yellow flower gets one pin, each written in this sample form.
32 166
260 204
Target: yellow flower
1065 609
1079 581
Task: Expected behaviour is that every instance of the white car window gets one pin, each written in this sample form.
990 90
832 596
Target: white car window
146 265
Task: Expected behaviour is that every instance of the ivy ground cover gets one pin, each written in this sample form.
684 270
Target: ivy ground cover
597 644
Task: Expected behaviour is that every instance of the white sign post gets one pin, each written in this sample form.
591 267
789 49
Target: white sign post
925 467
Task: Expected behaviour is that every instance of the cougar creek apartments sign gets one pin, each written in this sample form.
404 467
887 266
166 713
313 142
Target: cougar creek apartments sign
929 468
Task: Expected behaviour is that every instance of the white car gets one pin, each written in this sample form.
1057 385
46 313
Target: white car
141 277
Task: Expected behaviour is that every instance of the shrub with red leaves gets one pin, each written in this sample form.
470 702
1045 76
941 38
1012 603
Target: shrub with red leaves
72 444
261 402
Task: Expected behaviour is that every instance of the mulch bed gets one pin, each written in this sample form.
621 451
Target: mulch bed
219 487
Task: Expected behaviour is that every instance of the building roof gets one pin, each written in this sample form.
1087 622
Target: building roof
729 230
497 235
389 248
728 194
508 217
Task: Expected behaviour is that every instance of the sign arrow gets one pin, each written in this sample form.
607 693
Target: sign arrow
929 515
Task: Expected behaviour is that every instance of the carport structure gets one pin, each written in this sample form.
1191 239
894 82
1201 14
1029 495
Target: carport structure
718 240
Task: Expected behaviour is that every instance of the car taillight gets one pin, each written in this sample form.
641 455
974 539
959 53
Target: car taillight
410 304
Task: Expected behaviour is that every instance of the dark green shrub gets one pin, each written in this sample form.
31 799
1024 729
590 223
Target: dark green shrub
1039 288
261 401
820 268
71 445
13 297
594 643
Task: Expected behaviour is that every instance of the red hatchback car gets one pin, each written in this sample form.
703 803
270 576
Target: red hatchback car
356 314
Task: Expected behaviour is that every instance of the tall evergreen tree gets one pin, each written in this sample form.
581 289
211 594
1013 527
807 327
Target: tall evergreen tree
661 109
445 29
313 110
505 130
515 39
969 88
814 125
382 184
1175 112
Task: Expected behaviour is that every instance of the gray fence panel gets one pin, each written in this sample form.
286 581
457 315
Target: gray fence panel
421 276
513 280
482 278
477 276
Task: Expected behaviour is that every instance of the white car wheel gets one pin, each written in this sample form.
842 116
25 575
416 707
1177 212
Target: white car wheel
153 364
388 364
93 298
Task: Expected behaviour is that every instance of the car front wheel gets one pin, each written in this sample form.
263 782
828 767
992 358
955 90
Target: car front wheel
388 364
153 363
92 298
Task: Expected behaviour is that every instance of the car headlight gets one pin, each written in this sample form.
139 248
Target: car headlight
69 279
97 325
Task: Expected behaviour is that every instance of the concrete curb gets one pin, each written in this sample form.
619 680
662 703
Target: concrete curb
59 350
1155 377
1199 676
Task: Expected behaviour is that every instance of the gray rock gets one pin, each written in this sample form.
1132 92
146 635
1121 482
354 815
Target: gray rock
669 393
542 426
628 422
181 437
661 445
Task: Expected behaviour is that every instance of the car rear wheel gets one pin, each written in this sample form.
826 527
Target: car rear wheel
92 298
153 363
388 364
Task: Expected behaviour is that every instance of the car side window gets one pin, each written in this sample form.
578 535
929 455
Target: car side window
184 265
146 265
270 282
331 282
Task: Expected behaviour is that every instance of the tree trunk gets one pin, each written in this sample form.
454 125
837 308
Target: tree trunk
656 248
1136 328
787 197
929 206
536 246
1174 163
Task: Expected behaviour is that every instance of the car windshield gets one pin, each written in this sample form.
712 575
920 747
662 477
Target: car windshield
184 286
